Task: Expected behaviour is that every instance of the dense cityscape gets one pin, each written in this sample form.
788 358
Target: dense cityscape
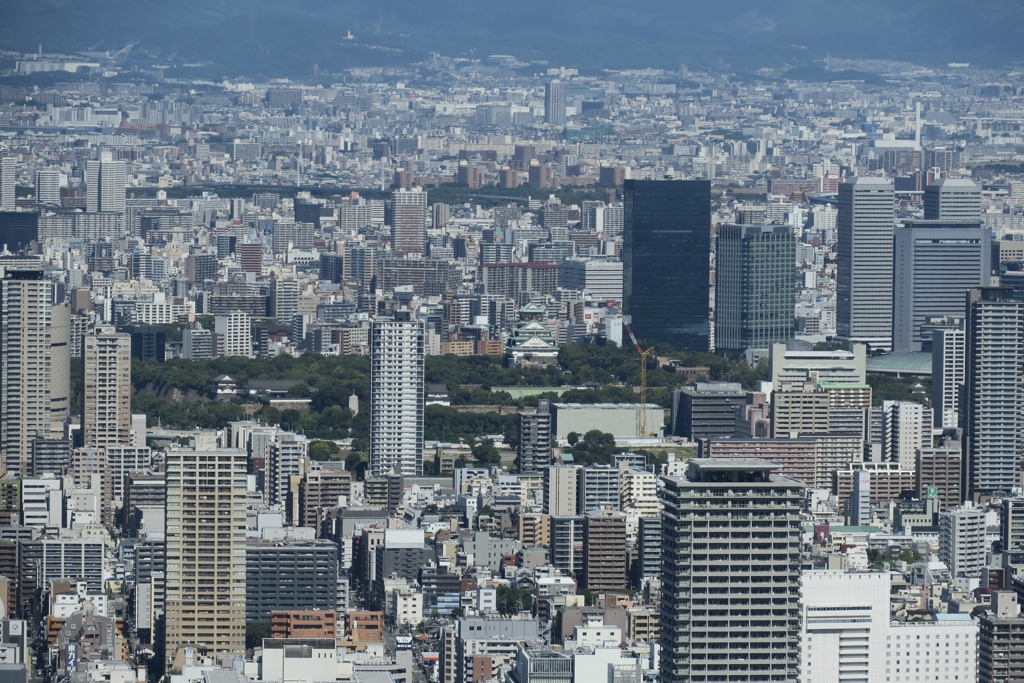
483 369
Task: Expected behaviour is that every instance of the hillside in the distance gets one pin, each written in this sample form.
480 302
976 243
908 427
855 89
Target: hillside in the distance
287 37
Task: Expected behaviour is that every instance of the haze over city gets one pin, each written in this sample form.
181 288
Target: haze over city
526 343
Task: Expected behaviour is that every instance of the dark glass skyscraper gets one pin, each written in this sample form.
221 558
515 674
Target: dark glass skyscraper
666 251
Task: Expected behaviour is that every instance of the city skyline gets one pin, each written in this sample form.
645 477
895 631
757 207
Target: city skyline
492 365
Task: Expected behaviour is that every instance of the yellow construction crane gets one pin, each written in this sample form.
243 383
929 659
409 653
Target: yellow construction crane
644 355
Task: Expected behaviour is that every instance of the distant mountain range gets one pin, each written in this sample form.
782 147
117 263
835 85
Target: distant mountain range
289 37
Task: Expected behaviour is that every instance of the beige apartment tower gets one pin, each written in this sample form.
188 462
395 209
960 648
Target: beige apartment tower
60 370
205 532
25 410
107 389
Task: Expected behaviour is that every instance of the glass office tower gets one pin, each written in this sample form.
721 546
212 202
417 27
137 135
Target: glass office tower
666 252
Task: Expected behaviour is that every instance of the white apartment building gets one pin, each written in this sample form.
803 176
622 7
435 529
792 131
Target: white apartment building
234 334
962 544
396 395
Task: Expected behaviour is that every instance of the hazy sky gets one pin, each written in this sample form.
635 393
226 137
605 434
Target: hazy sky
273 36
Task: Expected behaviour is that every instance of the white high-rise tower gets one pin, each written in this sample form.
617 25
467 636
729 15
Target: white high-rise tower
396 395
48 187
864 264
105 182
7 183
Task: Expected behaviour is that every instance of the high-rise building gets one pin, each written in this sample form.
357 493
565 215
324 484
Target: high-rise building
712 537
284 299
848 608
611 222
18 229
949 373
294 575
602 280
292 235
554 103
604 537
952 199
567 545
60 370
361 264
250 258
202 267
286 454
864 262
796 456
409 221
597 487
7 183
105 182
48 187
25 366
859 507
107 389
885 482
799 369
397 348
906 428
234 334
755 286
90 471
1000 640
936 262
49 456
992 415
196 344
706 410
206 568
849 635
535 437
561 485
666 260
539 176
148 342
332 267
325 486
441 215
648 547
1012 524
962 544
938 473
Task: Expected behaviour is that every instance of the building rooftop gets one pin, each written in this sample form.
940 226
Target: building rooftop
282 643
605 406
919 363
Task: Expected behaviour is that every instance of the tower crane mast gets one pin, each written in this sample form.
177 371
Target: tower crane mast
644 355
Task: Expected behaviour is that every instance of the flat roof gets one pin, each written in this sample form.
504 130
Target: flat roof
281 643
917 363
735 463
606 406
521 392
